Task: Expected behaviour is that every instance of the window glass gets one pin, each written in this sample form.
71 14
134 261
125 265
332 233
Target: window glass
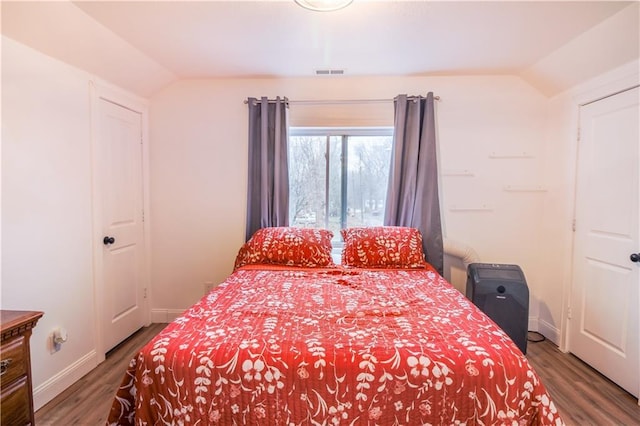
338 177
368 175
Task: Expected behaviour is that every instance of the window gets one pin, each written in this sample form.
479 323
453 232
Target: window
338 176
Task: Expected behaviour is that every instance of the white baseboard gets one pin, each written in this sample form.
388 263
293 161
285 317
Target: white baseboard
65 378
549 331
165 315
533 324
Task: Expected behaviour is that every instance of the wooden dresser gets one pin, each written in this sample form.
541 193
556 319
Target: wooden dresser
15 367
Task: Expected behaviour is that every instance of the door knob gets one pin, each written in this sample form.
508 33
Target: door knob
108 240
635 257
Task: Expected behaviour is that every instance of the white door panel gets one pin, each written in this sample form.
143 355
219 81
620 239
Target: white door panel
604 328
122 273
120 137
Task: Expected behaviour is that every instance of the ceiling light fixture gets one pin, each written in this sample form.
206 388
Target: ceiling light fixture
324 5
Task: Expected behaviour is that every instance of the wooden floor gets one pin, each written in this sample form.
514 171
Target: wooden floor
582 396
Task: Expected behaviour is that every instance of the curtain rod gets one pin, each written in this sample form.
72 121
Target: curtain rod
340 101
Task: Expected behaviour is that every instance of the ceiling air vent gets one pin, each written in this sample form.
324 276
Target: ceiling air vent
329 72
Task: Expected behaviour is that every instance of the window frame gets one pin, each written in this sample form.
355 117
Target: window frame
344 133
341 131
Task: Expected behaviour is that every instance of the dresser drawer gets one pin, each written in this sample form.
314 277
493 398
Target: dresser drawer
16 404
13 360
16 390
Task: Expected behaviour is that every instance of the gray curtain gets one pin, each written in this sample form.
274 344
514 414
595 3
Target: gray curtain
268 186
412 196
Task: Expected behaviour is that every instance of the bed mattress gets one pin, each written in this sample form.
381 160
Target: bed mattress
278 345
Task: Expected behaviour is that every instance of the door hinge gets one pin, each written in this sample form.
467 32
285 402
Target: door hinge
568 312
573 225
145 293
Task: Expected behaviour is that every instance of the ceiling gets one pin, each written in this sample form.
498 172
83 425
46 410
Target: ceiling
171 40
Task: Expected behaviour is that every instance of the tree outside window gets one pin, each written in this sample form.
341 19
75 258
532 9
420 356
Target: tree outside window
338 177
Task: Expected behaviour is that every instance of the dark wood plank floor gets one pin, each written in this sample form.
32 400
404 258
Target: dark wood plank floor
582 395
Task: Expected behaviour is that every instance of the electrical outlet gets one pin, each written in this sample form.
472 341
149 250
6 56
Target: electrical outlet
58 337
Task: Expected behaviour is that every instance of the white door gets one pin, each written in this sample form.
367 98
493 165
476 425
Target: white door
121 187
604 315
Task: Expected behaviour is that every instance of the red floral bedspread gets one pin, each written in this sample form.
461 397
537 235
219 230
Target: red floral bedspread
274 346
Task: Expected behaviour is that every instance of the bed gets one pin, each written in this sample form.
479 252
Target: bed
290 338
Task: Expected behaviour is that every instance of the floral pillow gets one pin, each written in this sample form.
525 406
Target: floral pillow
383 247
308 247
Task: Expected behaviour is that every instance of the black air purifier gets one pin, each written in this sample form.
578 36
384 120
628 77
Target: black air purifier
501 292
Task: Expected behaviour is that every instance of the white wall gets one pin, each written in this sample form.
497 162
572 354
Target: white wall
46 210
199 167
